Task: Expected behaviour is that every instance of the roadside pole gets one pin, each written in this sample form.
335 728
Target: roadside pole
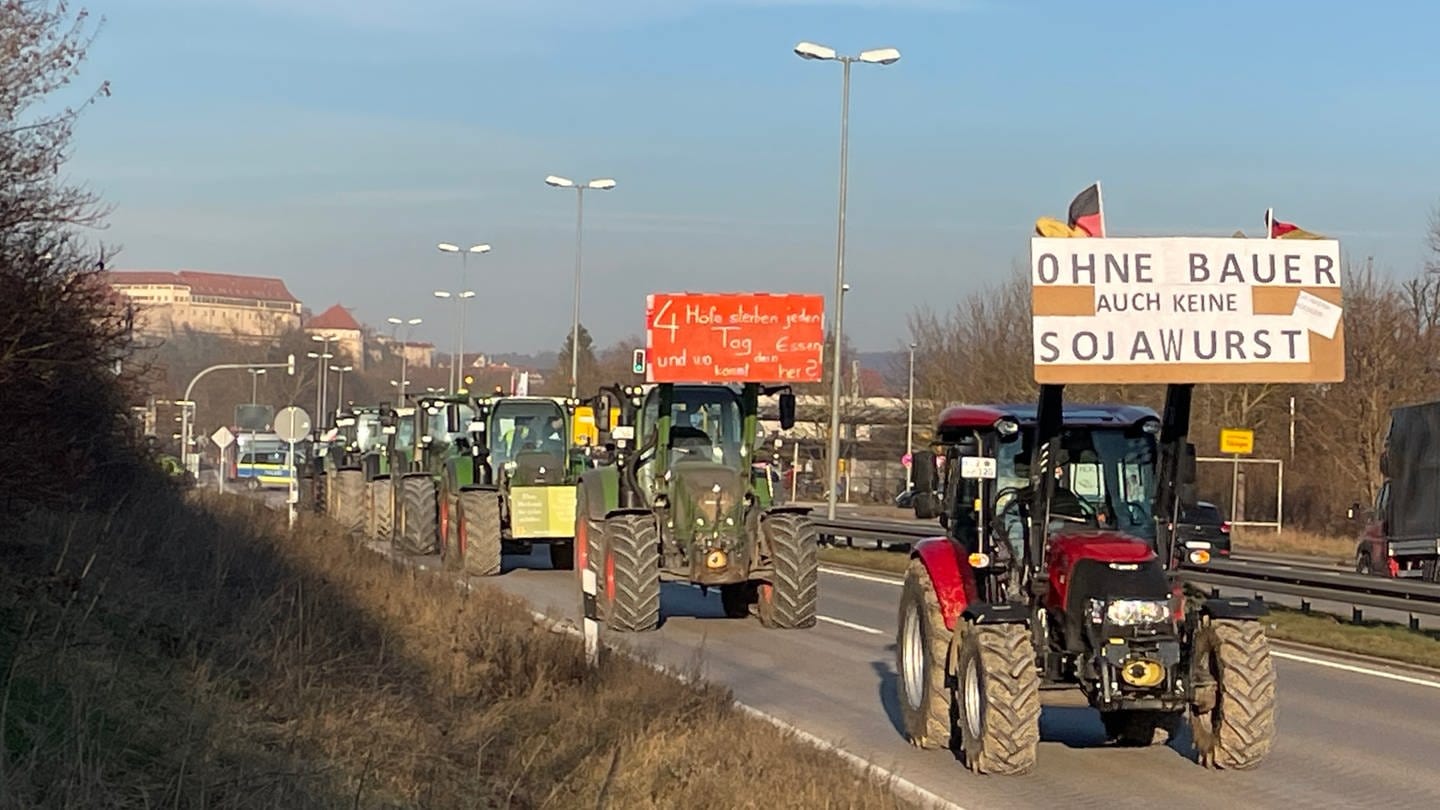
591 623
292 424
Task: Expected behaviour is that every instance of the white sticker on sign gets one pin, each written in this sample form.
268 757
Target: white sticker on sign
977 467
1317 314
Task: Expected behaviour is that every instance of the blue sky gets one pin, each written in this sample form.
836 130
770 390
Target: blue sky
332 143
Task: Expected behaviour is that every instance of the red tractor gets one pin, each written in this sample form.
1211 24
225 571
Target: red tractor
1058 570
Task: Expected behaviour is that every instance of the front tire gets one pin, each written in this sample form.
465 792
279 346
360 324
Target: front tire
922 648
789 600
349 487
479 521
1234 719
999 699
1362 564
631 583
418 535
382 502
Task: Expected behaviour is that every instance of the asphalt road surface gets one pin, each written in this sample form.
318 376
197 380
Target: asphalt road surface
1350 734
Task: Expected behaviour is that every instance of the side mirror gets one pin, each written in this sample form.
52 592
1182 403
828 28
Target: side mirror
452 418
1185 487
787 411
922 470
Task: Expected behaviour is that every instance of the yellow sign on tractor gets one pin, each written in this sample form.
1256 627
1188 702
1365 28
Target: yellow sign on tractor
1237 441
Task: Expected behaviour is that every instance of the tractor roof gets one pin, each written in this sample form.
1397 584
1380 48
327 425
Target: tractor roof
979 417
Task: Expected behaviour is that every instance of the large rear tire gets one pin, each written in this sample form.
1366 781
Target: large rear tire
789 600
349 486
451 546
479 521
922 649
1234 717
631 581
418 534
999 699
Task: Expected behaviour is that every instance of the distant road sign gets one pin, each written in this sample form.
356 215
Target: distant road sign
1187 310
1237 441
223 438
292 424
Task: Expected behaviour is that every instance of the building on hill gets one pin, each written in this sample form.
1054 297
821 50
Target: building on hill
247 308
418 353
345 335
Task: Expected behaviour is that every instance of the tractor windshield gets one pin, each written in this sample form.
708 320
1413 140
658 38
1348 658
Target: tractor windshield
530 425
1108 475
705 424
367 432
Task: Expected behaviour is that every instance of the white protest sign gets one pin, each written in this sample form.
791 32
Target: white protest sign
1186 309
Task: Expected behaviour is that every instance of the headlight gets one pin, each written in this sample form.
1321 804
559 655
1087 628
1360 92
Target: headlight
1130 612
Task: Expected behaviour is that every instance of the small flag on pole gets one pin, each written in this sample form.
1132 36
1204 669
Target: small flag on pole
1087 212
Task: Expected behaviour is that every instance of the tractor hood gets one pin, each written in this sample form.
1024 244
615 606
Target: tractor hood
709 499
1112 549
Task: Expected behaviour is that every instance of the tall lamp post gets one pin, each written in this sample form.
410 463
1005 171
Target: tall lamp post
324 382
254 392
457 357
319 358
446 247
910 424
599 184
409 325
340 390
877 56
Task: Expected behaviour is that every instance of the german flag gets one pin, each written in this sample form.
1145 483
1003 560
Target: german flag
1285 230
1086 212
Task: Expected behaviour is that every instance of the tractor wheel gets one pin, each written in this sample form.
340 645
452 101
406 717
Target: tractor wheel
479 524
589 551
383 502
562 555
788 601
999 699
737 598
416 533
632 573
1234 716
349 504
1138 728
922 649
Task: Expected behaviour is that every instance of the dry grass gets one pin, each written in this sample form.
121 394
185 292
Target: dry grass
1294 541
893 561
1378 639
181 656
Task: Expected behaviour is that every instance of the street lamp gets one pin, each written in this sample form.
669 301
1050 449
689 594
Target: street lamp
409 325
457 357
324 377
319 358
877 56
340 391
446 247
599 184
910 424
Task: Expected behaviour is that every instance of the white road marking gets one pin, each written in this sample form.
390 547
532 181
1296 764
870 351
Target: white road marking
845 572
852 626
1376 673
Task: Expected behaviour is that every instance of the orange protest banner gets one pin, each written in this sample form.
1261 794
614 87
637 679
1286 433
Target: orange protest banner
734 337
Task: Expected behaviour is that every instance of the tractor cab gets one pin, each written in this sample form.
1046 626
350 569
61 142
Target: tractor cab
527 439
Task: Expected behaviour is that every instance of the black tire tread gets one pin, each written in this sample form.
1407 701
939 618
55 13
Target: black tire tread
419 535
932 726
349 488
1241 729
480 509
384 506
795 585
1012 700
634 541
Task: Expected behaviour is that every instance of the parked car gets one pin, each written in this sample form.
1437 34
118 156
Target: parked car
1205 523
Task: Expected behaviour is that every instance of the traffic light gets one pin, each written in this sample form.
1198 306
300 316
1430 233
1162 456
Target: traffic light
638 363
290 365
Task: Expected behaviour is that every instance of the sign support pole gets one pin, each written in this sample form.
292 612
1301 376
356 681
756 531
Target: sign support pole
1235 488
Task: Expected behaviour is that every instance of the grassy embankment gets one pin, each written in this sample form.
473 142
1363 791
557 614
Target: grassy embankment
1379 639
199 656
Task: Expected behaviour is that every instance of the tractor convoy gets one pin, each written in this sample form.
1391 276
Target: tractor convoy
1059 563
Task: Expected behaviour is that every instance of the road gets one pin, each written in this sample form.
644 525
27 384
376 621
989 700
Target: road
1346 738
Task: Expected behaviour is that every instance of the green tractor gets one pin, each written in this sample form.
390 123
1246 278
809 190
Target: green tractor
430 459
680 499
522 488
353 460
